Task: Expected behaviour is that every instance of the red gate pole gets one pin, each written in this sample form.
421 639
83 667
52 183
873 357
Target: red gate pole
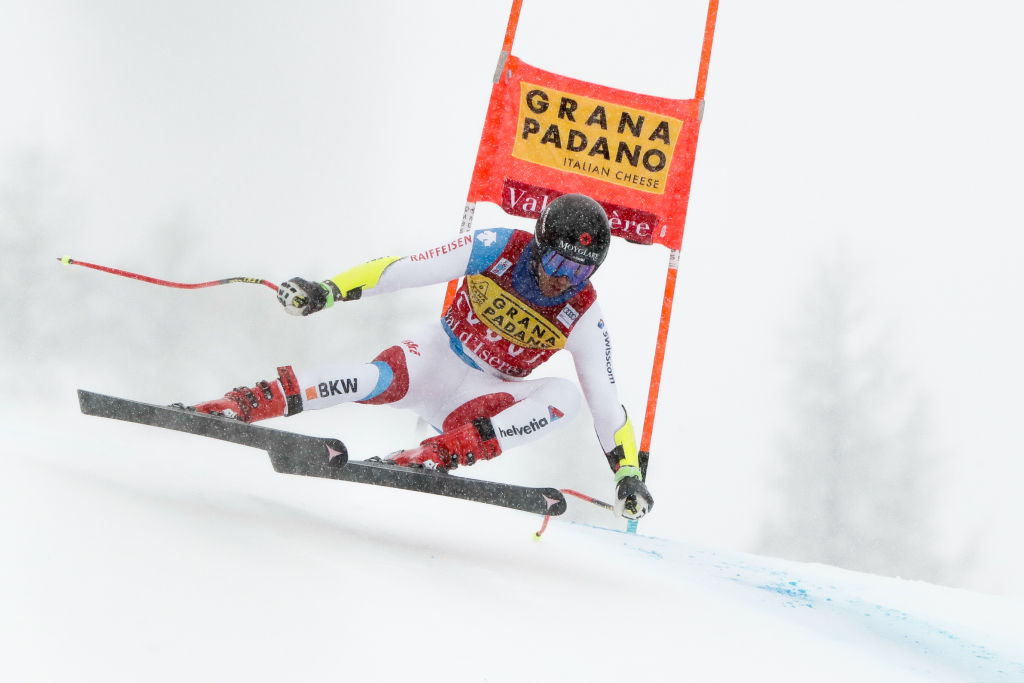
506 50
673 268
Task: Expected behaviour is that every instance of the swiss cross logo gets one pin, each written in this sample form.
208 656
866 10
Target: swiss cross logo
487 238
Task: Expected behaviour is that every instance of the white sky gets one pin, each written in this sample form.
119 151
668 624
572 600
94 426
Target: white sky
307 136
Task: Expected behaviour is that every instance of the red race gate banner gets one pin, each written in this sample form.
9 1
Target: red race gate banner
546 135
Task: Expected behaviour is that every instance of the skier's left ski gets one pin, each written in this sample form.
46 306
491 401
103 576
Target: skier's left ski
312 456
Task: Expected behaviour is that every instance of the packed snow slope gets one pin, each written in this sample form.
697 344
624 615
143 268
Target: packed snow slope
135 554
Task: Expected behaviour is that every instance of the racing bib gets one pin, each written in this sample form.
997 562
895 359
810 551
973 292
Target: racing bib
509 317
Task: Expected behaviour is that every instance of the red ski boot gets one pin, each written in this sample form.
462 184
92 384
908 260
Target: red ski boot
461 446
267 399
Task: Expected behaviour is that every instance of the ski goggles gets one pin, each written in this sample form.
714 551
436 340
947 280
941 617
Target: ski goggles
556 265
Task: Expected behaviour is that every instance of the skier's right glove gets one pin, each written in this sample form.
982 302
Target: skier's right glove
633 500
302 297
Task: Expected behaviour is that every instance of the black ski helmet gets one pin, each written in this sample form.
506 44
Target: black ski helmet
575 226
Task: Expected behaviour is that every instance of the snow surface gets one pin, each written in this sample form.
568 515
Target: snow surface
139 554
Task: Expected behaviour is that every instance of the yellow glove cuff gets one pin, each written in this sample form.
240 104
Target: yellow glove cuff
624 459
354 281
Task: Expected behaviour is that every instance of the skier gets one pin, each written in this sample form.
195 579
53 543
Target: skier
522 298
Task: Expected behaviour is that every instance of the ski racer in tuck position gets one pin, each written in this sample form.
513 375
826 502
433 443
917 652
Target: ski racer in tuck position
522 298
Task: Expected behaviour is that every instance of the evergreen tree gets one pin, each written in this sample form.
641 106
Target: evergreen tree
855 480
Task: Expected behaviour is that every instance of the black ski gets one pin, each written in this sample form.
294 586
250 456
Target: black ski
541 501
312 456
277 443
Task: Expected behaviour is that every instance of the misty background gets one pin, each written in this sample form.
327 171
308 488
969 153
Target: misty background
843 377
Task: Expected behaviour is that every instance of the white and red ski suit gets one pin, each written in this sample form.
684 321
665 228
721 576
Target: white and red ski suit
475 362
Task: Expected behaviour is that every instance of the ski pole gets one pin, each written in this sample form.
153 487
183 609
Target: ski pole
581 496
166 283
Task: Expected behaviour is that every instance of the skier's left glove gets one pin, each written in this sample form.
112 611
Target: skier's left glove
633 500
302 297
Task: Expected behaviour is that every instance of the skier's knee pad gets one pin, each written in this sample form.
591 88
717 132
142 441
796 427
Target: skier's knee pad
487 405
393 384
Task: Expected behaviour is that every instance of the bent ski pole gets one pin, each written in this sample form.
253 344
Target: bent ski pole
167 283
581 496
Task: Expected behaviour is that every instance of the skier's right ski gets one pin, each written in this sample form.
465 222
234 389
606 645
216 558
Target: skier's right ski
541 501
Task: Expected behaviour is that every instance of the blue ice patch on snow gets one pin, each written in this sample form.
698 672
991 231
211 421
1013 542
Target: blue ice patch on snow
628 543
791 589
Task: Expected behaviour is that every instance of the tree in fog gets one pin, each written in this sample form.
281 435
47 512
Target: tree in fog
855 477
55 318
33 209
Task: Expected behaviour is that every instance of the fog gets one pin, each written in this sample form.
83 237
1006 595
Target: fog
200 140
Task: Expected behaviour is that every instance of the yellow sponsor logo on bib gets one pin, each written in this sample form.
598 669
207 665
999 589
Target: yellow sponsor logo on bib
510 317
